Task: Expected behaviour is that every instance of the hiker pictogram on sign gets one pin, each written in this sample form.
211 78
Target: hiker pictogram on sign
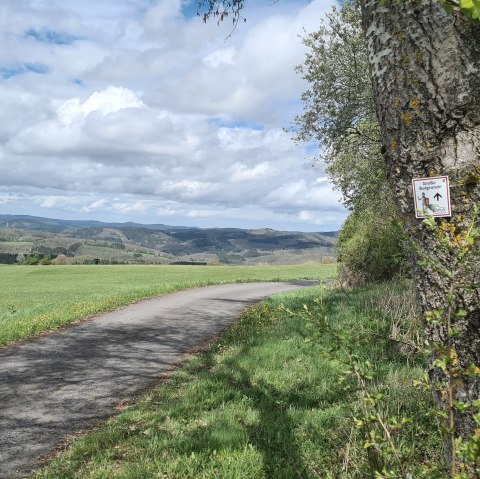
432 196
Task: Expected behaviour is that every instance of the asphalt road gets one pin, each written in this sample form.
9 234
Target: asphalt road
57 385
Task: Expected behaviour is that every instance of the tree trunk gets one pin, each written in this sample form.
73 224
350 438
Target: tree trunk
425 67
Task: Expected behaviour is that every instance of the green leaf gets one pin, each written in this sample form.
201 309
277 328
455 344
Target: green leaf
430 223
448 8
447 273
471 8
456 333
441 363
461 406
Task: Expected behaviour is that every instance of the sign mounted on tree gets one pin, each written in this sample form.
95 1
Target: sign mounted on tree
432 196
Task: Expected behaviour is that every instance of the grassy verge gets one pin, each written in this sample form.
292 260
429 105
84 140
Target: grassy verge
266 402
38 298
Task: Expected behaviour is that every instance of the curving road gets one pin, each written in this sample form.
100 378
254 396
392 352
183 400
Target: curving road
56 385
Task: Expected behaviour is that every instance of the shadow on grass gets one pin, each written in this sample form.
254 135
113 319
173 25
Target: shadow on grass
272 433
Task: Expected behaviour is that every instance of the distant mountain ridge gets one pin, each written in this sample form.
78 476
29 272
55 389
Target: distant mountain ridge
55 225
83 241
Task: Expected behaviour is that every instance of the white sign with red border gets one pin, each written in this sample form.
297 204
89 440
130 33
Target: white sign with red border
432 196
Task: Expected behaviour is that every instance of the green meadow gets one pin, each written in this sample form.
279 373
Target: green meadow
34 299
268 402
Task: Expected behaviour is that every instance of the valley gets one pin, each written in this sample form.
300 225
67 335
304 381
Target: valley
43 240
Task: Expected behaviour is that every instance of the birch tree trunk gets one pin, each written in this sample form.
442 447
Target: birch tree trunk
425 67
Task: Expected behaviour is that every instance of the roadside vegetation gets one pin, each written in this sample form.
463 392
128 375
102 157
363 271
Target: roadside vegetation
339 115
269 400
33 299
329 384
381 239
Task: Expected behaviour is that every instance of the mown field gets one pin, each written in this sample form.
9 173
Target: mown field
38 298
271 399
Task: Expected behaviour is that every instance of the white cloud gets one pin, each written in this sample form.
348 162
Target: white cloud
98 204
141 112
220 58
201 213
136 207
305 216
243 173
110 100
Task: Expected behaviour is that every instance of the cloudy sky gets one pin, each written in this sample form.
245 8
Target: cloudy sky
135 110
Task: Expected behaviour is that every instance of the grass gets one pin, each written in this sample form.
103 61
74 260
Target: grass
264 402
38 298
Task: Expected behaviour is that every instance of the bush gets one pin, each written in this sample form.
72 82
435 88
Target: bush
328 260
60 259
372 247
32 260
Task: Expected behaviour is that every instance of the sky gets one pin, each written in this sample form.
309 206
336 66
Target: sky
136 110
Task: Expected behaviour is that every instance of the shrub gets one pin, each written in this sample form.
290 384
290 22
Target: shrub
32 260
60 259
328 260
372 247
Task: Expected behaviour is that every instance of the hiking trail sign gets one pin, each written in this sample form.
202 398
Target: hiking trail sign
432 196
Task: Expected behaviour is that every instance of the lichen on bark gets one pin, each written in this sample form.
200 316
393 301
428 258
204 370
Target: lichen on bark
425 67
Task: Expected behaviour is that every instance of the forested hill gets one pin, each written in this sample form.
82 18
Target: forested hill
36 223
81 241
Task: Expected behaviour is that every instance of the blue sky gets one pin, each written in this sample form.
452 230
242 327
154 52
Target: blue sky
45 35
135 110
11 71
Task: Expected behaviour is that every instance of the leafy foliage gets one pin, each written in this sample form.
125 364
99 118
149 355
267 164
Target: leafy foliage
450 373
221 10
338 109
232 9
339 115
470 8
371 245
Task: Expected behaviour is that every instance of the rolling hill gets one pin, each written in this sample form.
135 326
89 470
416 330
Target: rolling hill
84 241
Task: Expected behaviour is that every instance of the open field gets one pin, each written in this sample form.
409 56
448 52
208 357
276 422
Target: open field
266 401
38 298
